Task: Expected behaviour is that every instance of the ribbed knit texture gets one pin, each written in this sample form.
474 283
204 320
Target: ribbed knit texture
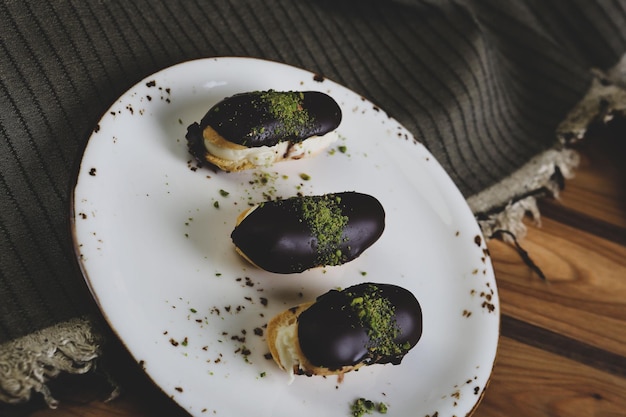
483 84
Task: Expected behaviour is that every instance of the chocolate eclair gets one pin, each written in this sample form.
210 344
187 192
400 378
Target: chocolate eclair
262 127
303 232
341 331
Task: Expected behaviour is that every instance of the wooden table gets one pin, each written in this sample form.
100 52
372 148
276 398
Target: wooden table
563 345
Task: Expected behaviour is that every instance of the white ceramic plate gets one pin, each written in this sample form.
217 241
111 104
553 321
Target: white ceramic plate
152 234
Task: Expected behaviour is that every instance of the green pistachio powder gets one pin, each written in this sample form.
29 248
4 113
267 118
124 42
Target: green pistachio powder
376 314
324 217
362 406
285 106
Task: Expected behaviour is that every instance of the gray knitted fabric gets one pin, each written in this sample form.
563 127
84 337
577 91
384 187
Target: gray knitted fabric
484 84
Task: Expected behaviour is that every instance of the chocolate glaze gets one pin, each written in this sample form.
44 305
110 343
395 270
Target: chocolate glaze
195 143
274 237
331 335
239 119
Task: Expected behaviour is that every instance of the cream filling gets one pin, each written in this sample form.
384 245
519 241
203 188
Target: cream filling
285 342
267 155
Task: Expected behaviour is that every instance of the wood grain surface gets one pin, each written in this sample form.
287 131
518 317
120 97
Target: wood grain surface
563 347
